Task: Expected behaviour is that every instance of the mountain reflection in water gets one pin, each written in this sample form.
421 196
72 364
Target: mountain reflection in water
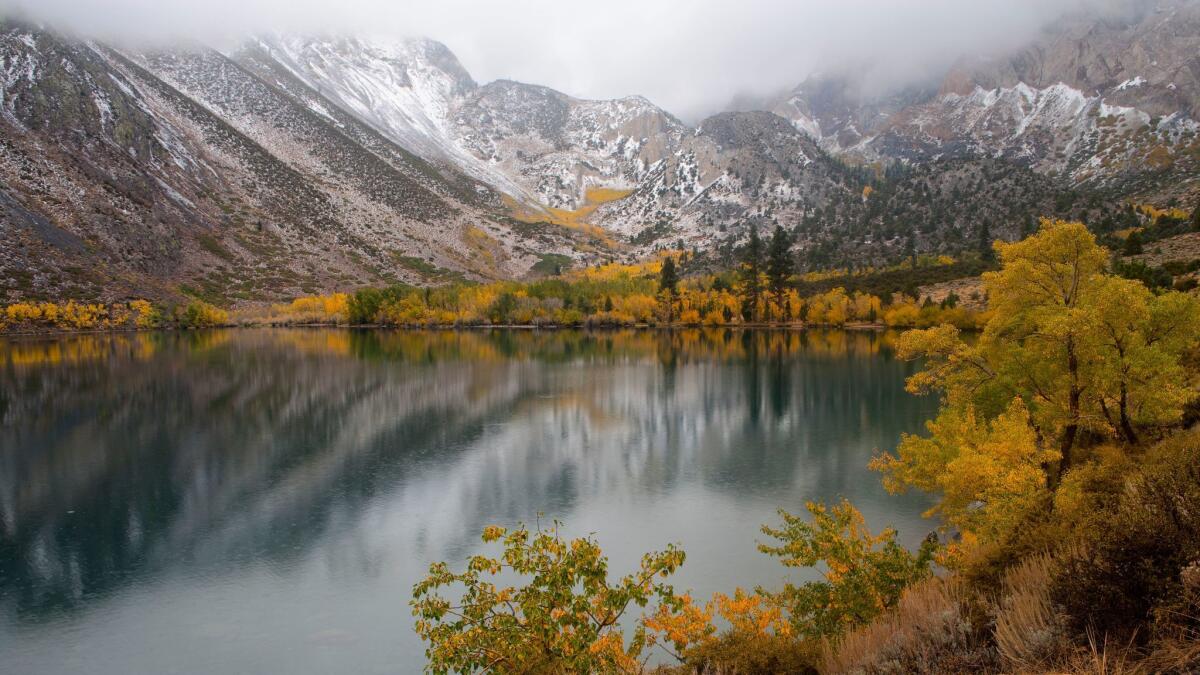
263 500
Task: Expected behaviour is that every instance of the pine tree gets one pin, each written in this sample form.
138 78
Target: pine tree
910 250
1133 244
750 273
668 277
780 267
985 243
668 287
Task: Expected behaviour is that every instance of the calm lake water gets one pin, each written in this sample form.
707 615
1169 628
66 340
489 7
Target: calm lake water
261 501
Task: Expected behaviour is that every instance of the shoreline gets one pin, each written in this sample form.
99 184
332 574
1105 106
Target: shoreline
796 327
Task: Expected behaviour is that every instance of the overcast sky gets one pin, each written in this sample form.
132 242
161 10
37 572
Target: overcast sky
691 57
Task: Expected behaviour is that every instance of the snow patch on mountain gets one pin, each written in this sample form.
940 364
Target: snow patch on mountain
1132 82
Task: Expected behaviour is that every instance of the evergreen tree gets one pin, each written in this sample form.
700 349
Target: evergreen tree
1133 244
1028 227
750 274
780 266
1196 218
668 287
985 243
910 250
668 277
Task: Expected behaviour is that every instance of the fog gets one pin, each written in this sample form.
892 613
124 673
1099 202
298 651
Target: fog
692 57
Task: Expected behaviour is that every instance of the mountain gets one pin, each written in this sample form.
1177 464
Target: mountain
537 145
1097 101
185 172
292 164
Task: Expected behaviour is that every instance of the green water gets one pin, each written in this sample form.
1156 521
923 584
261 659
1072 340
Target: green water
261 501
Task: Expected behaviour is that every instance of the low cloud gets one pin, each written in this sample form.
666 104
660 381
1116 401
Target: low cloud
692 57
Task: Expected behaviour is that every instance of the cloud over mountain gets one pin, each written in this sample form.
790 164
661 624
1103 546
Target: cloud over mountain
689 56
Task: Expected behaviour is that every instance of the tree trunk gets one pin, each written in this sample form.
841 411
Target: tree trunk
1126 424
1064 463
1072 428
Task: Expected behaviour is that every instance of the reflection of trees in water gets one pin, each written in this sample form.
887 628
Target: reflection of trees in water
251 445
205 454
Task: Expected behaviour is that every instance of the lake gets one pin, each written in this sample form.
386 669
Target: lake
262 500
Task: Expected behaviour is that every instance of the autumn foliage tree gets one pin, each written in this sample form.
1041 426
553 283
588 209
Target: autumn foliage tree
1068 348
1070 340
989 474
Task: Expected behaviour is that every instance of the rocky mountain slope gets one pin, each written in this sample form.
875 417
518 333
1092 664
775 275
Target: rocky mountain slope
186 173
1102 102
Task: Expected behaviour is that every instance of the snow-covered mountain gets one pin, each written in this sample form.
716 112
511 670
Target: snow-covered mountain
533 143
546 150
1096 101
291 164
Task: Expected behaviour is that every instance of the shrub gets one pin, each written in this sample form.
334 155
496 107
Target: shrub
315 309
1153 278
1030 634
145 315
363 307
865 574
759 638
928 632
199 314
1130 560
1133 244
752 654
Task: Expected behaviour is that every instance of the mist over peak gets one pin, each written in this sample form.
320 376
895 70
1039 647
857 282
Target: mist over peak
701 53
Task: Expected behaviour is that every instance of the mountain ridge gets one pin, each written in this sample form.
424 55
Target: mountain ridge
289 164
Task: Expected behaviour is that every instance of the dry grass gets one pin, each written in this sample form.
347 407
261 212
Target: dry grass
1173 656
1029 631
969 290
1103 658
925 626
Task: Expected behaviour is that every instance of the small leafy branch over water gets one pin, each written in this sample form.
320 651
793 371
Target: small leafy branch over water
564 619
1067 484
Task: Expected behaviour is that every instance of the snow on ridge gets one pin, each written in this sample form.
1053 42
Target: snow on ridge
807 125
409 90
1130 83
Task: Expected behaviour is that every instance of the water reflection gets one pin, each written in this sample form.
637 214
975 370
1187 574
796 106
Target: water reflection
277 492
